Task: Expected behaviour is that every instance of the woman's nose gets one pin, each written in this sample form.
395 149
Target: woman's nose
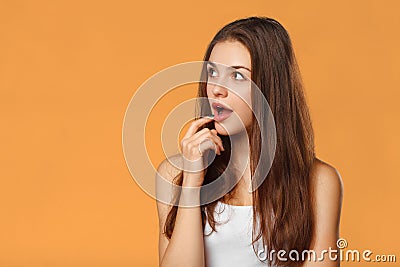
219 90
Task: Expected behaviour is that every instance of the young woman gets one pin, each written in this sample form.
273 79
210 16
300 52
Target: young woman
295 208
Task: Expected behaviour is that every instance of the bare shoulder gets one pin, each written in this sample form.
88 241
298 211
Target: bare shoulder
327 179
327 199
165 176
168 169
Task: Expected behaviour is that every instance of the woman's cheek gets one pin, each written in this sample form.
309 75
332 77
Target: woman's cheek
245 112
247 120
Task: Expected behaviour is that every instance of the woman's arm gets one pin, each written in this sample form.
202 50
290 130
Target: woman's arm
328 195
186 246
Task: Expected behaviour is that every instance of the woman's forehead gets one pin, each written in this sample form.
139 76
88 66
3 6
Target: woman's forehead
231 53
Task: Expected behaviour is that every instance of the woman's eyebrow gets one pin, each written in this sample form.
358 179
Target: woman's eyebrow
235 67
241 67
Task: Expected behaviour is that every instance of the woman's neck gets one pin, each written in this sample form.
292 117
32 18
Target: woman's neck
240 159
240 149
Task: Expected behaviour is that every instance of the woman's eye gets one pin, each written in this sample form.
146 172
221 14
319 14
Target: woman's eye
212 72
238 76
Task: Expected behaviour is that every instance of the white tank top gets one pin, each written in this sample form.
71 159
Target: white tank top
231 245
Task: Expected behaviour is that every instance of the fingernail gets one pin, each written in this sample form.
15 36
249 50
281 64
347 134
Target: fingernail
210 116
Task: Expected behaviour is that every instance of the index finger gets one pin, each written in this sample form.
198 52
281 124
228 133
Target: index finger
196 124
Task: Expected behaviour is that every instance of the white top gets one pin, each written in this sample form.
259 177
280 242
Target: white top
231 245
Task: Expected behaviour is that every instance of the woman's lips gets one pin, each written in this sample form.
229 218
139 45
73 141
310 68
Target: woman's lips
221 112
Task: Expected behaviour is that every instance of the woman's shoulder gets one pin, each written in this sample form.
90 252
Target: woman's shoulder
327 199
168 168
327 191
326 176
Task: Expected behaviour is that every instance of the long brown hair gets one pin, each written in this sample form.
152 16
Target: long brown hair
283 203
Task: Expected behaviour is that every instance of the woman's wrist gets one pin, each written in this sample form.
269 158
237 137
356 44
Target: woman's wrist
191 179
190 195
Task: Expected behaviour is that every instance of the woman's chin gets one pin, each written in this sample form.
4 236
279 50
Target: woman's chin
221 130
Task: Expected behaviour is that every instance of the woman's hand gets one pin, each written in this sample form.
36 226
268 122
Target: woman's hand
195 146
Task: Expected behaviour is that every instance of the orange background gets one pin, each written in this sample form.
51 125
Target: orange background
68 70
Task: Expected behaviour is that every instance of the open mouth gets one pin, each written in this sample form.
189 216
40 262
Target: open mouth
221 112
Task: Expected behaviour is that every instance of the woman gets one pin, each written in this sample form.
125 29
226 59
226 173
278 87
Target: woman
296 207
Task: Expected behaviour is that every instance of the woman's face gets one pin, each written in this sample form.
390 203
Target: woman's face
229 87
